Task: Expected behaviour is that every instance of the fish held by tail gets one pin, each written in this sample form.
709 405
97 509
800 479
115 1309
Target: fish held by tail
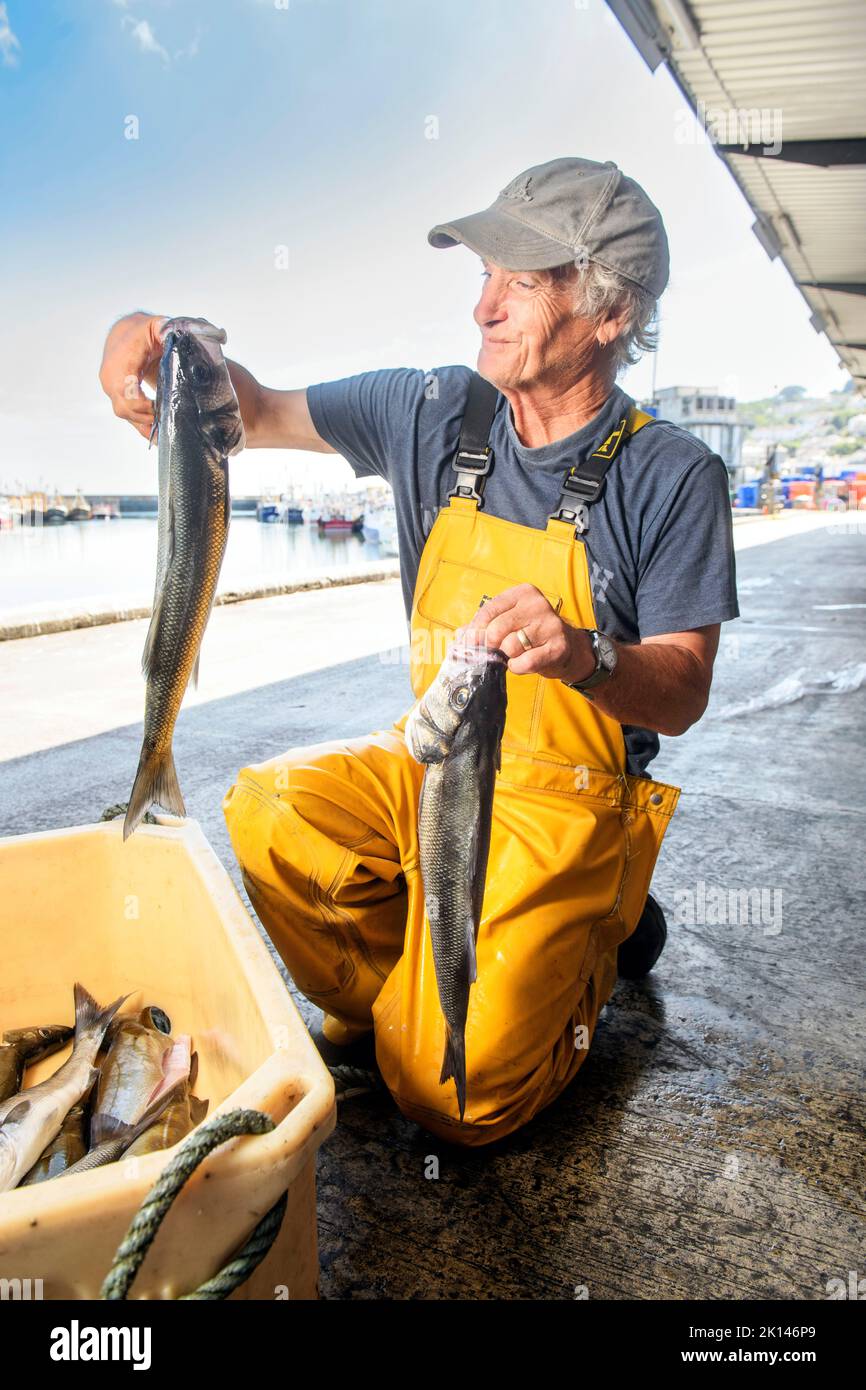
155 781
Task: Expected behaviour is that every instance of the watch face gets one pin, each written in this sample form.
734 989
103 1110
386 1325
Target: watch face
606 652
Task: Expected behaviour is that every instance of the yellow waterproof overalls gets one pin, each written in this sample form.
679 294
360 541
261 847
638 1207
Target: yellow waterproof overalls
326 837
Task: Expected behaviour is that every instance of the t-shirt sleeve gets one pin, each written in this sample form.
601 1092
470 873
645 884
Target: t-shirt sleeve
687 572
363 417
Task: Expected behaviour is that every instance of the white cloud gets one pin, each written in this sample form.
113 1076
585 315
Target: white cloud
192 47
9 44
145 37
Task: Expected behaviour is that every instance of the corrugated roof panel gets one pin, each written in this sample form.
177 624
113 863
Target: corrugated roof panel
785 70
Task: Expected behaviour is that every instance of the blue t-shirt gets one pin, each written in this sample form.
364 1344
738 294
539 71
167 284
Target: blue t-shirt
660 540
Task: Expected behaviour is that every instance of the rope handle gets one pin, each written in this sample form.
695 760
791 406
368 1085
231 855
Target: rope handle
148 1219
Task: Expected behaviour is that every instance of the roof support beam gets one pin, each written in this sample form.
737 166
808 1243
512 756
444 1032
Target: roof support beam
825 154
836 286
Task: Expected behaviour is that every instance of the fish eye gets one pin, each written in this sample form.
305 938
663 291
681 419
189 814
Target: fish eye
460 697
201 374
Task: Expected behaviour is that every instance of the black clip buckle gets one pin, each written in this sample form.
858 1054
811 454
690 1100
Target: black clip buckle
585 489
481 464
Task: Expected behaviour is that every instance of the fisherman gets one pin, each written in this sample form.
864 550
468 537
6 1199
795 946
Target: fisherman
589 542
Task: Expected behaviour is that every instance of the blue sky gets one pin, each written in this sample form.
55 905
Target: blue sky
305 125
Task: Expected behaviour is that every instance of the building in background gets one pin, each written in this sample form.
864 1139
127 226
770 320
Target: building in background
709 415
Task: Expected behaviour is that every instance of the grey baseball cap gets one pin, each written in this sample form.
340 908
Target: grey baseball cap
567 210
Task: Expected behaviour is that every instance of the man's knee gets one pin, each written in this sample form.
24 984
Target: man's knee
499 1101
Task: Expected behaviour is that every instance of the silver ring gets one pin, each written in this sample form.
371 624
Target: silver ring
523 639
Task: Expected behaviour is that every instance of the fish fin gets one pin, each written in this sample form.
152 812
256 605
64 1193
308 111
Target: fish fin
17 1114
155 781
471 959
89 1016
129 1133
193 1068
154 429
150 639
197 1109
454 1065
103 1127
114 1144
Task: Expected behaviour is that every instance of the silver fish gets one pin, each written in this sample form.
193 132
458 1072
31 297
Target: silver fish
456 730
32 1118
198 424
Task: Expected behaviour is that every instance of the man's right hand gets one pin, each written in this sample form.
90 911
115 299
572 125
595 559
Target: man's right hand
131 355
272 419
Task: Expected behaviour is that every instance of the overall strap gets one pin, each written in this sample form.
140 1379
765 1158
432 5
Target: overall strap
584 483
474 457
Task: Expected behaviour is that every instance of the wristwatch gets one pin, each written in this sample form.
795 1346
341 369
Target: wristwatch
605 662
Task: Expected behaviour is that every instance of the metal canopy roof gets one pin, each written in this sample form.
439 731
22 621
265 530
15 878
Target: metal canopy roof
753 70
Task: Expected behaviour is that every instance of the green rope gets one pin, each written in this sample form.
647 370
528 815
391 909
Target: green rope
119 809
355 1081
148 1219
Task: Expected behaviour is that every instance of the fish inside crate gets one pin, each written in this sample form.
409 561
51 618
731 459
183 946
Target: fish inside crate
158 917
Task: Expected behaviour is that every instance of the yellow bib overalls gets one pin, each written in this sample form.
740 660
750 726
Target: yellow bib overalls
326 837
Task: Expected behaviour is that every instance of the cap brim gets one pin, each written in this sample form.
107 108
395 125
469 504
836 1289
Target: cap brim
504 240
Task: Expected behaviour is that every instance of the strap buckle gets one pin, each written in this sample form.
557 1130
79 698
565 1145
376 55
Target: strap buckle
578 517
584 489
470 464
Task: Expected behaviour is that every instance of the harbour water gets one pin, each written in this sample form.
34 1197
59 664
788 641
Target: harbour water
113 562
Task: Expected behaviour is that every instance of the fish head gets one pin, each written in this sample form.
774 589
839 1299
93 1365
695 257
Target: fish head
466 688
35 1041
155 1017
193 349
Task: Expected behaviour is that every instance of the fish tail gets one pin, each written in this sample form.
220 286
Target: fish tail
155 780
454 1065
89 1018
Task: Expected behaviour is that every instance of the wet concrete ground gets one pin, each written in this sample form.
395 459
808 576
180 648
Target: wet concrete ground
711 1146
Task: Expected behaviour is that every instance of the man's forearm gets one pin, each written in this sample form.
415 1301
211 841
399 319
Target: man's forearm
658 686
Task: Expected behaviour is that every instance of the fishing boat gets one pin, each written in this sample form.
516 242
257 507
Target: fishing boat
268 509
57 511
79 508
380 527
104 510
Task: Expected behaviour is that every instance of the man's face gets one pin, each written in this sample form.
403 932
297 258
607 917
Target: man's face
530 335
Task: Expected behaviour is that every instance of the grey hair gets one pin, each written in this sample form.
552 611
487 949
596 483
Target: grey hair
598 291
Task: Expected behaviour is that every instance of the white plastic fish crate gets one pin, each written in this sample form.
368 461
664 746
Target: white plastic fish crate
159 916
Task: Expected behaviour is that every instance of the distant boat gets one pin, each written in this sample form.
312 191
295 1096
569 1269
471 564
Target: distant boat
104 511
268 509
56 512
334 518
79 508
294 516
380 527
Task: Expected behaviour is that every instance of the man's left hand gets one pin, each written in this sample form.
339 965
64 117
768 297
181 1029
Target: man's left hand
558 650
